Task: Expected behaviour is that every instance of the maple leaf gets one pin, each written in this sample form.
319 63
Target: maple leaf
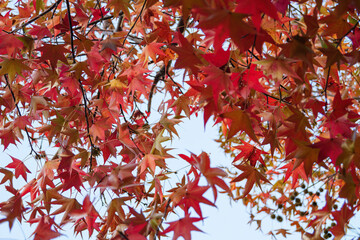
157 144
295 172
12 67
181 104
219 58
99 128
187 55
283 232
151 161
247 81
8 137
332 53
224 24
281 6
136 76
121 5
255 8
12 208
277 67
307 155
53 53
87 212
40 31
342 218
71 179
183 227
168 124
44 231
190 195
341 125
151 50
329 147
217 79
67 206
249 153
20 168
115 206
8 176
355 38
240 122
9 43
252 176
213 175
98 13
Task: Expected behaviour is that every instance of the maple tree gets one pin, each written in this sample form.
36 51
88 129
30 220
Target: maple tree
279 78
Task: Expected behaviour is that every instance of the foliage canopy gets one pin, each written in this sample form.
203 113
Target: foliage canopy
280 78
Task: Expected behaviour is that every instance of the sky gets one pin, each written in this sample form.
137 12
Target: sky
229 220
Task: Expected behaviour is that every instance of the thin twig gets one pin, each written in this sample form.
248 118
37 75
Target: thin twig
162 219
278 99
130 130
38 16
328 72
127 35
71 31
120 22
81 86
18 110
161 73
178 85
123 235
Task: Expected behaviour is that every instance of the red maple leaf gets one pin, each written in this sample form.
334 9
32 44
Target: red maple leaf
240 121
190 195
212 175
249 153
187 57
43 231
40 31
20 168
255 8
217 79
53 53
294 172
183 227
252 175
88 213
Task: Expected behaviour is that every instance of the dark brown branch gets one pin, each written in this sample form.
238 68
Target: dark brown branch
177 85
81 86
71 31
162 219
38 16
18 110
120 22
278 99
127 35
161 73
140 111
130 130
328 72
123 235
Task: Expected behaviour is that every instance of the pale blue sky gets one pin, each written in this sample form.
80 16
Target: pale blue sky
227 221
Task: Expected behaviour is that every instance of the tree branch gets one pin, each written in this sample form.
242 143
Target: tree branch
162 219
328 72
18 110
161 73
38 16
81 87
